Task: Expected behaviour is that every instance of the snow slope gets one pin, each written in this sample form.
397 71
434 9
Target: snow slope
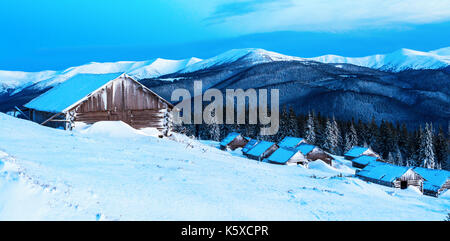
86 176
138 69
396 61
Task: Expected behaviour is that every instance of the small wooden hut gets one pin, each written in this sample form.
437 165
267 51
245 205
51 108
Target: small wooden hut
262 150
314 153
436 181
291 142
90 98
251 143
391 175
363 161
357 151
287 156
233 141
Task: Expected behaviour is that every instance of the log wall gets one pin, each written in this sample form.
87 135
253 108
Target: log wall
123 99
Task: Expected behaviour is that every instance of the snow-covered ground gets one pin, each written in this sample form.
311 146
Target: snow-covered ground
111 172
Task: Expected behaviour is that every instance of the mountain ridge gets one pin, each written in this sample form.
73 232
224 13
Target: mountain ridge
396 61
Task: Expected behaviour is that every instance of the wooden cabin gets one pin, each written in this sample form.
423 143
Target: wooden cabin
287 156
291 142
90 98
357 151
313 153
251 143
233 141
363 161
436 181
262 150
391 175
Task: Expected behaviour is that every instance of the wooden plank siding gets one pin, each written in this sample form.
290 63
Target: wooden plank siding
123 99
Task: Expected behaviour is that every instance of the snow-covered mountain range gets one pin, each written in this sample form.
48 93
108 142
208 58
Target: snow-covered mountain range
14 81
399 60
19 80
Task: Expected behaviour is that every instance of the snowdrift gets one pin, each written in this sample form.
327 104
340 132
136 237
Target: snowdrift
116 129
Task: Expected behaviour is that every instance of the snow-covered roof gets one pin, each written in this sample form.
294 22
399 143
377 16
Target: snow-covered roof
260 148
364 160
66 94
230 137
356 151
251 143
282 155
305 148
383 171
434 179
290 141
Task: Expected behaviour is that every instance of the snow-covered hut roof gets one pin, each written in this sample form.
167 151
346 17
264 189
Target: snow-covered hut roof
434 179
383 171
290 142
282 155
230 137
66 94
251 143
260 148
305 148
356 151
364 160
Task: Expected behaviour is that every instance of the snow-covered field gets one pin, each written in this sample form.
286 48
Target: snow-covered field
111 172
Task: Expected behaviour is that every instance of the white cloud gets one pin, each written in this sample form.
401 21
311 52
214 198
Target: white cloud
326 15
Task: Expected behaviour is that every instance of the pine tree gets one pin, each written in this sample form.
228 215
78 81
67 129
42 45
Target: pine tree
284 122
403 139
383 137
414 147
390 158
214 129
440 145
361 129
426 153
331 143
399 157
292 126
337 134
310 134
351 138
372 134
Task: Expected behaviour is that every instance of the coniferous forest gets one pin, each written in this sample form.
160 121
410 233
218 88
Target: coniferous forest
426 146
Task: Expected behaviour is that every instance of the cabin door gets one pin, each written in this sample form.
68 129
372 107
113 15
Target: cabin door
403 184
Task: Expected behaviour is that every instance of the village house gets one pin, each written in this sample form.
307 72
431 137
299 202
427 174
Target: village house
357 151
233 141
313 153
262 150
363 161
391 175
291 142
436 181
90 98
287 156
250 144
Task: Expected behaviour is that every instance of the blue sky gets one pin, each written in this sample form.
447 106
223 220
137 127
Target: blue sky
38 35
